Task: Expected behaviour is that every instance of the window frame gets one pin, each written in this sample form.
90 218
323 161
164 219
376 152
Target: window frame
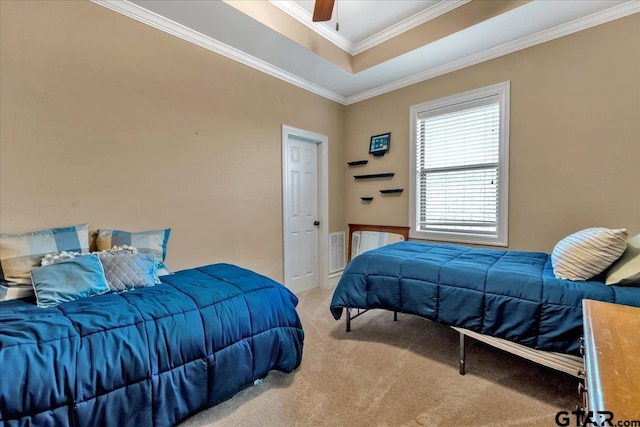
502 92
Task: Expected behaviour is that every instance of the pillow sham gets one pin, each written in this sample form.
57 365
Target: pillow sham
21 253
69 280
626 271
584 254
153 241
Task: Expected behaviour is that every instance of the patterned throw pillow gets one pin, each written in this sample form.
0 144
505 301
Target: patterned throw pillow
124 267
69 280
21 253
126 271
154 241
582 255
626 271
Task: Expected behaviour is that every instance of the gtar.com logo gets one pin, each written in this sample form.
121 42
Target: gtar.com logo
592 419
583 419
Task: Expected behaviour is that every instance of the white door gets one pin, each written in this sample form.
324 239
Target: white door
301 213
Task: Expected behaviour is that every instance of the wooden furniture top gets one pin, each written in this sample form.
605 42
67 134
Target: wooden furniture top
401 230
612 358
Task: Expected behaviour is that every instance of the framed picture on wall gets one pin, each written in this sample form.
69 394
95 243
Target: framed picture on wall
379 144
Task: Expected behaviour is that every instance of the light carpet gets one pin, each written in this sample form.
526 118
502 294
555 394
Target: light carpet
387 373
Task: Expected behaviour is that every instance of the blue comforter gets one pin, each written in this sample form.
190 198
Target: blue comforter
506 294
148 357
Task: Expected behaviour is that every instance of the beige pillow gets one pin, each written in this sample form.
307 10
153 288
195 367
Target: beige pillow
582 255
626 271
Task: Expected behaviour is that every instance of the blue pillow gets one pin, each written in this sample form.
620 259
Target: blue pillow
69 280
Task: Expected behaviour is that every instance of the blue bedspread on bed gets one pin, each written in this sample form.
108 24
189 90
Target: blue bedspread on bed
507 294
148 357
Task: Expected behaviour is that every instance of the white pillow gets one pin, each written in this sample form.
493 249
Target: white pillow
626 271
582 255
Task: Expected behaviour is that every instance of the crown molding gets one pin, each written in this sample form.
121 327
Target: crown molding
145 16
304 17
598 18
154 20
407 24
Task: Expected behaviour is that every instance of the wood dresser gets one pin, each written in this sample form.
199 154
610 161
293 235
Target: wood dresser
612 362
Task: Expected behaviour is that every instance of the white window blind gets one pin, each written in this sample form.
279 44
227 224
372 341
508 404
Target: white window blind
459 162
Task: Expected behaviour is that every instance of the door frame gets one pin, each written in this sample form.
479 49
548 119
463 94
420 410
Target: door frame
323 200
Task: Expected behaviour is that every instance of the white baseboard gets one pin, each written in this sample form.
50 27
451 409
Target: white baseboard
333 280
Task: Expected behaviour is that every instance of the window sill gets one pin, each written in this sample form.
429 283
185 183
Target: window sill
455 238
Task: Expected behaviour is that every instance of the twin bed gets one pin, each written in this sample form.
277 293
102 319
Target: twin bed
508 299
149 357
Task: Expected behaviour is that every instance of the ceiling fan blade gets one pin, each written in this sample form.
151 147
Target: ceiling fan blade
322 10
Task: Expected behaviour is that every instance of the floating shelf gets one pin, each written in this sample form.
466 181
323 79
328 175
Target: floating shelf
366 199
392 191
358 163
375 175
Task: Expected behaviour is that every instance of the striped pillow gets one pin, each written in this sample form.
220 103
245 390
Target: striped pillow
582 255
154 241
21 253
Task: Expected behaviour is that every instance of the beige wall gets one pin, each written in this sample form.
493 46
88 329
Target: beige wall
575 136
108 121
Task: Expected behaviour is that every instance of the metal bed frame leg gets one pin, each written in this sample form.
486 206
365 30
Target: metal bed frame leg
348 310
359 313
395 316
462 353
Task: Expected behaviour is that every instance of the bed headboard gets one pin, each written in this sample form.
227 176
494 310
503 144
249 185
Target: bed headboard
401 230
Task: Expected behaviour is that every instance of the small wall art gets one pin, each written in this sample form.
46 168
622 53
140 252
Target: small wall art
379 144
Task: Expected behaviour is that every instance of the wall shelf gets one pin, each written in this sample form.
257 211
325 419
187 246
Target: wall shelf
392 191
366 199
375 175
358 163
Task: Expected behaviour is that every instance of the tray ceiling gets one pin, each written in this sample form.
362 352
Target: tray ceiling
381 45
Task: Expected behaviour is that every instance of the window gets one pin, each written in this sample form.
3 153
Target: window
460 167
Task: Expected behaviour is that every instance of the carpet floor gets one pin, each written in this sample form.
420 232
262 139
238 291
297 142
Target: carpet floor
387 373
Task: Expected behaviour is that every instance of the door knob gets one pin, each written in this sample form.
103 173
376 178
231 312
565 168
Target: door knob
316 223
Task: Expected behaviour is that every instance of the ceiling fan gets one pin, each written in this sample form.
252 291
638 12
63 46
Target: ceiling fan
322 10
